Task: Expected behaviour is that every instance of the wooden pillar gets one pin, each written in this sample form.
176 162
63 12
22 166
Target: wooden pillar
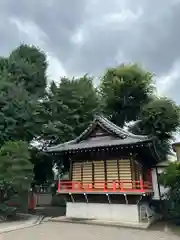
82 172
70 170
138 173
92 174
119 183
105 172
133 173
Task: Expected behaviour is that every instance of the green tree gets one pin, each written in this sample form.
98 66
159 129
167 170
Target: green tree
124 90
16 170
20 114
27 66
15 165
69 108
170 179
43 164
22 85
128 94
160 118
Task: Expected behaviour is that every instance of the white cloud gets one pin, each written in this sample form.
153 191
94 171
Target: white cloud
78 37
55 69
28 29
125 15
165 82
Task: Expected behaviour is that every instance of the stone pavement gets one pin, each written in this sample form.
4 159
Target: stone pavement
27 221
64 231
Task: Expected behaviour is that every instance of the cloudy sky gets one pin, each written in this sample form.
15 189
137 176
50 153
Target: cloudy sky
87 36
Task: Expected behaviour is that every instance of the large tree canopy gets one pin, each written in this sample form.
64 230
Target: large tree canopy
22 84
27 66
170 178
124 90
128 94
16 170
20 114
15 165
69 107
160 118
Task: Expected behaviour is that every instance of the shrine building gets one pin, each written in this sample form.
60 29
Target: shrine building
113 174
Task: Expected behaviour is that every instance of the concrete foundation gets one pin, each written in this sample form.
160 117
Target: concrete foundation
109 212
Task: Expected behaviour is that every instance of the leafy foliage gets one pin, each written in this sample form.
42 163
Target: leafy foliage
69 108
20 114
165 116
22 83
170 178
124 90
27 65
160 118
42 165
15 166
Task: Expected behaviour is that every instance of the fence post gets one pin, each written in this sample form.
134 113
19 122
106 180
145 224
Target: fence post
114 186
121 185
105 188
59 185
141 185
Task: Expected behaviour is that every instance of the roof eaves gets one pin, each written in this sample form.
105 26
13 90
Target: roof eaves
121 131
55 147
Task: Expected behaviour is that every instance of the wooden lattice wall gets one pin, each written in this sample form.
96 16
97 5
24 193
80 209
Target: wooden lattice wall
110 170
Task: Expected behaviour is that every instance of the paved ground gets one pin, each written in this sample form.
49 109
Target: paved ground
67 231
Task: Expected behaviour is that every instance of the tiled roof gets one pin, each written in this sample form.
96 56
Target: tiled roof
121 137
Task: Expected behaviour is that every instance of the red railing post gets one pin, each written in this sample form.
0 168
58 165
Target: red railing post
141 185
114 186
79 186
89 186
105 188
72 185
59 187
121 186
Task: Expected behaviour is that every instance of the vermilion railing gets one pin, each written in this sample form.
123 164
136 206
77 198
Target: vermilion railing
104 186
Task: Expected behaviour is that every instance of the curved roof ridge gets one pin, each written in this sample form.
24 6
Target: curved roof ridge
121 130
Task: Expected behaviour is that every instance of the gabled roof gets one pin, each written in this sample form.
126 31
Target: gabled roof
117 136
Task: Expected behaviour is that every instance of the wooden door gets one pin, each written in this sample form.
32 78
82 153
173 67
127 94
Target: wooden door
112 173
138 173
99 174
125 174
87 175
76 173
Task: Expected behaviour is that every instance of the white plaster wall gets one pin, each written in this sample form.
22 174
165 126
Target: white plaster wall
163 190
152 216
111 212
155 185
178 152
44 199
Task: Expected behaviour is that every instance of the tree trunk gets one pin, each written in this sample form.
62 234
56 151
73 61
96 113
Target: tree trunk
24 196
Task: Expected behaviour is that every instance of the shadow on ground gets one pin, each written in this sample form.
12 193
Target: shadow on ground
51 211
165 226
